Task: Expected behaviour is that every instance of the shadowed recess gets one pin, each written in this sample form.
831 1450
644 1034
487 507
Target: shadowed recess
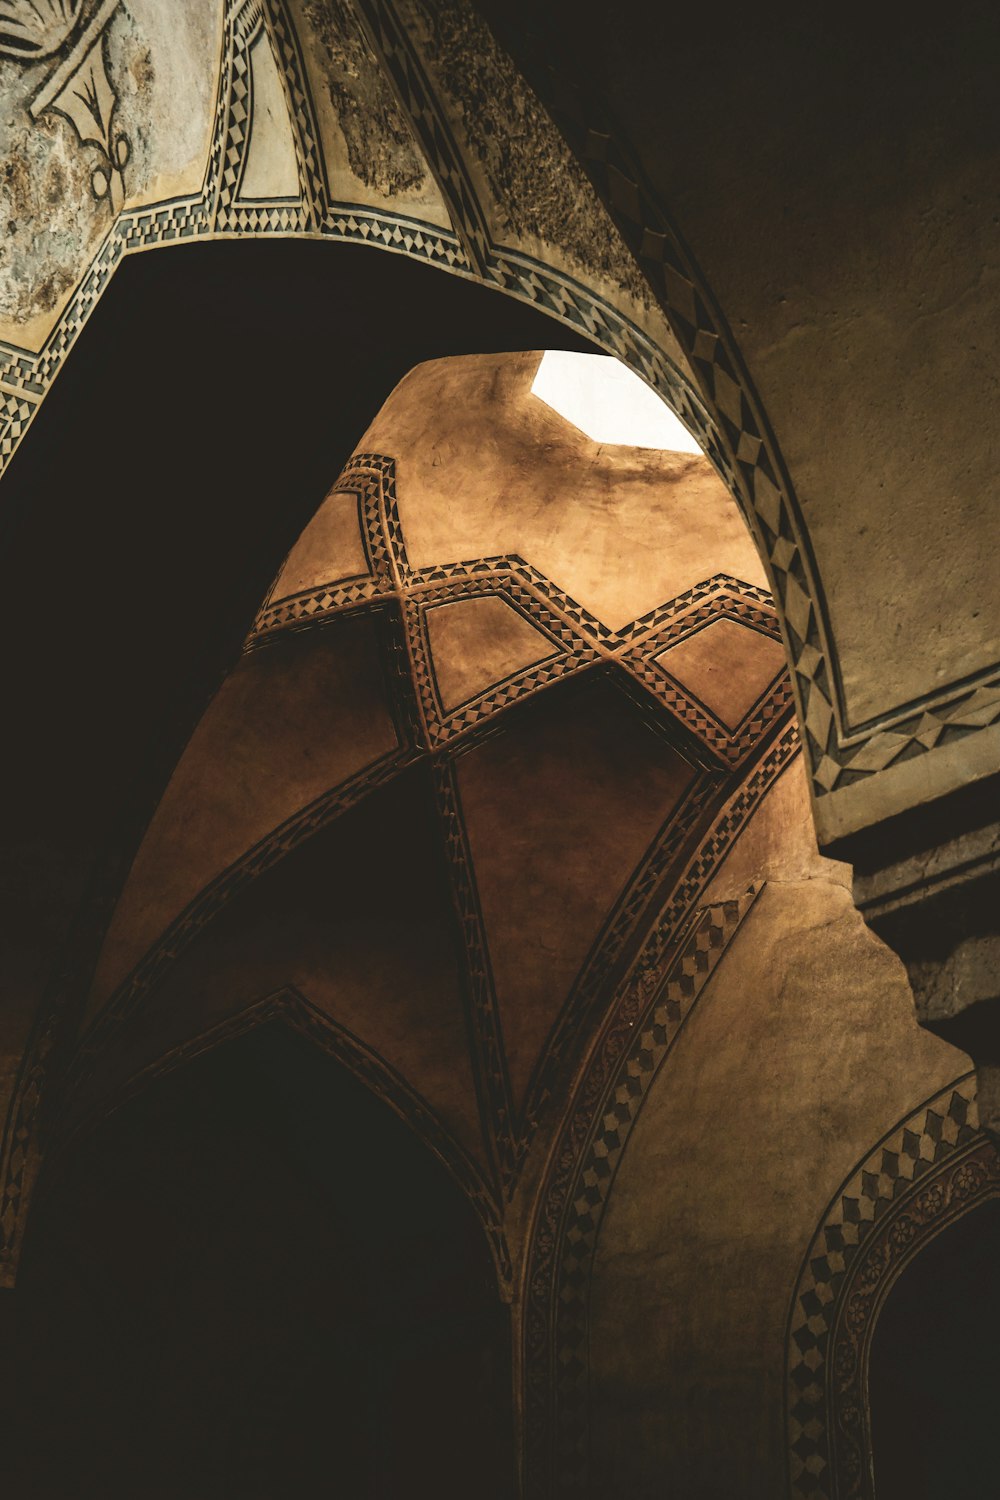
257 1273
933 1379
359 919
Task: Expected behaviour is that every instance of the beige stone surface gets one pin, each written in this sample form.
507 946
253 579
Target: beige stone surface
330 548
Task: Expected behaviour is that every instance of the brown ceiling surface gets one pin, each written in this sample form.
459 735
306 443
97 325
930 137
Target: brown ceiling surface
441 790
286 725
478 642
560 811
359 920
727 665
482 472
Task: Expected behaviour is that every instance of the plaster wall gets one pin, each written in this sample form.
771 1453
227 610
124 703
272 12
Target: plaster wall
802 1051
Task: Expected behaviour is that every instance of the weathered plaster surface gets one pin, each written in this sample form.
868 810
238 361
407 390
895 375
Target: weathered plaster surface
539 190
169 91
535 193
50 223
371 153
162 64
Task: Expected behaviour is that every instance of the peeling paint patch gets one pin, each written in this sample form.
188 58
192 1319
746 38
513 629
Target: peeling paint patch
380 147
49 219
539 188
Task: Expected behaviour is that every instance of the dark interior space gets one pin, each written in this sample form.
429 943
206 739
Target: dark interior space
934 1384
255 1272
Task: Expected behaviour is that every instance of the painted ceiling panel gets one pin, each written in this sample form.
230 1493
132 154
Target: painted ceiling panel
372 155
560 810
270 169
727 665
476 643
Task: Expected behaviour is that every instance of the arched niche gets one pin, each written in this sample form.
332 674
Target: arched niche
933 1170
254 1279
933 1382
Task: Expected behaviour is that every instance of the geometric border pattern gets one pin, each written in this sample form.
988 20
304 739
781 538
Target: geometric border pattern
839 753
579 641
489 1056
633 997
929 1169
670 1002
728 600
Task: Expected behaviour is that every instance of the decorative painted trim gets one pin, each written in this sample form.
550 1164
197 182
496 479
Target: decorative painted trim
401 63
700 607
933 1166
635 994
264 855
215 212
570 654
576 1020
579 640
486 1045
589 1154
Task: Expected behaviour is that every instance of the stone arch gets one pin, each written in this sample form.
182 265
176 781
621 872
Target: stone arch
214 210
932 1167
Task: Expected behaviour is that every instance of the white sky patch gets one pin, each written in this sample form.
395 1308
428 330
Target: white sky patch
602 397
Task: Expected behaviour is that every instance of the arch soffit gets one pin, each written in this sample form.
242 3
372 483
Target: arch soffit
281 160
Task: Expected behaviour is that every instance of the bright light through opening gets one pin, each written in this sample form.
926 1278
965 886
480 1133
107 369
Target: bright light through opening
602 397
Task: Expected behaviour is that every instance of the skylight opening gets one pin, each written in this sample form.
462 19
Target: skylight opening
604 399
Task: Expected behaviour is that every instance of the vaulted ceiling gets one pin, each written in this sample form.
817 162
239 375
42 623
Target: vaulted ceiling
500 686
